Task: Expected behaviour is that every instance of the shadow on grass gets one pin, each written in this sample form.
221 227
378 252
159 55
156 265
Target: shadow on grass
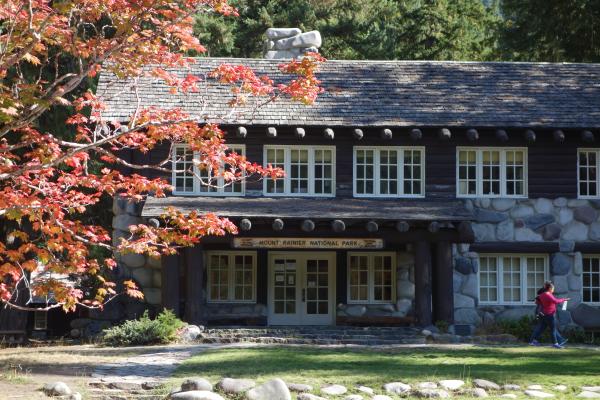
499 364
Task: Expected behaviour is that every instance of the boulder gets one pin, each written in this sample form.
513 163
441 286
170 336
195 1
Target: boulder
275 389
196 384
535 387
508 396
236 386
521 211
403 306
457 279
356 310
354 397
560 388
467 316
491 217
484 232
560 264
432 393
381 397
309 396
515 314
585 214
502 204
196 395
397 388
543 206
574 282
565 215
511 386
560 202
561 285
577 264
483 202
575 230
56 389
527 235
586 316
427 385
189 333
485 384
280 33
405 290
538 394
566 246
591 388
142 275
334 390
463 265
564 317
589 395
551 232
595 231
505 231
462 301
470 286
365 389
538 221
477 392
152 295
451 384
299 387
124 221
303 40
75 396
573 203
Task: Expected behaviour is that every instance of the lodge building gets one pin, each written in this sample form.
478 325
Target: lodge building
415 192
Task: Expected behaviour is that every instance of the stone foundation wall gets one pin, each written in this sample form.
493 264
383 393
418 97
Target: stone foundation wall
562 221
405 294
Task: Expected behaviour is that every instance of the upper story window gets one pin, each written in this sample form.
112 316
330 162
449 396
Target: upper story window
491 172
587 173
190 180
310 170
389 171
511 279
231 277
371 277
591 279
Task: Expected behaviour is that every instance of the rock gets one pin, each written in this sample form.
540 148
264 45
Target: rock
564 317
574 282
560 388
595 231
275 389
477 392
462 301
527 235
283 54
585 214
427 385
119 205
188 334
560 284
56 389
142 275
196 395
543 206
365 389
467 316
573 203
484 232
591 388
538 393
566 246
470 286
521 212
491 217
483 202
501 204
575 297
397 388
510 386
303 40
551 232
586 316
381 397
236 386
356 310
505 231
463 265
403 306
485 384
565 215
299 387
152 295
432 393
578 264
124 221
589 395
353 397
405 290
451 384
308 396
334 390
560 264
75 333
575 230
508 396
279 33
457 281
515 314
75 396
560 202
535 387
538 221
196 384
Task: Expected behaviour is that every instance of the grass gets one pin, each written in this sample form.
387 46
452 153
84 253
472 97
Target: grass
573 367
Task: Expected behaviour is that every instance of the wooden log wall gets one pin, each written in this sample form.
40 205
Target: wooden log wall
552 164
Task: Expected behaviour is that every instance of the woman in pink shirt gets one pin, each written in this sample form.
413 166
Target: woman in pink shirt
548 303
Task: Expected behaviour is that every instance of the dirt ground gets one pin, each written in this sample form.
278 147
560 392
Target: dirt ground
24 370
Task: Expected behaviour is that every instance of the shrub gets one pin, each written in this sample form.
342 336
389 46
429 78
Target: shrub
523 328
143 331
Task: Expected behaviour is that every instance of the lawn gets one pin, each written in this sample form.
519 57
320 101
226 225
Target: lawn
318 366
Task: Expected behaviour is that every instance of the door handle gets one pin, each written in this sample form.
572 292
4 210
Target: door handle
304 295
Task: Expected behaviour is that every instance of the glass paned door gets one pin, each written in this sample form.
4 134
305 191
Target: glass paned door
285 286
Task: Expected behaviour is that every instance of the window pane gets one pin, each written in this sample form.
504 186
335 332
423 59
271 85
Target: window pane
184 169
488 279
467 172
591 279
275 158
364 171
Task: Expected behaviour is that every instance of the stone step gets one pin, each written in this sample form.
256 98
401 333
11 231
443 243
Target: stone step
98 393
316 341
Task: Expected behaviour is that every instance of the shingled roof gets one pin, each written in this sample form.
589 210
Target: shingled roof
394 93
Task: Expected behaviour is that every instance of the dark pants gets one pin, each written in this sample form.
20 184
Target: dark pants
550 321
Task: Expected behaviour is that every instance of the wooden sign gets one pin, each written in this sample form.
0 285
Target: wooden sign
306 243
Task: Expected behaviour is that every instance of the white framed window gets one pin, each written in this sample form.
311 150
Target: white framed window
188 179
231 277
40 320
588 162
511 278
590 288
310 170
371 277
385 171
491 172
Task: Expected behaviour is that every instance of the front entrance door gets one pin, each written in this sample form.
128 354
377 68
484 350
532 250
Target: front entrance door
301 288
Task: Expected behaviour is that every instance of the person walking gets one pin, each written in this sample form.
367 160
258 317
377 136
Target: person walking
548 303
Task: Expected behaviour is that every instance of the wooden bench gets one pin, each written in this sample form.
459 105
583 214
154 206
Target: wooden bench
13 337
375 321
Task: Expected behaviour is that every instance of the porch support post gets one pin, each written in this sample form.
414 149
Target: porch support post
194 278
443 298
170 283
423 283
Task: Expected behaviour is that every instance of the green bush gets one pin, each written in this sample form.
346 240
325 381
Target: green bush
523 328
143 331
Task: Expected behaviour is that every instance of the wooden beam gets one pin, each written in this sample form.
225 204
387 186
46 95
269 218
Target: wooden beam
194 279
423 283
300 133
245 224
271 132
516 247
443 292
402 226
588 247
307 225
170 283
358 134
445 134
372 226
434 227
529 135
416 134
587 136
501 135
386 134
329 134
472 135
559 136
278 224
241 132
338 225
